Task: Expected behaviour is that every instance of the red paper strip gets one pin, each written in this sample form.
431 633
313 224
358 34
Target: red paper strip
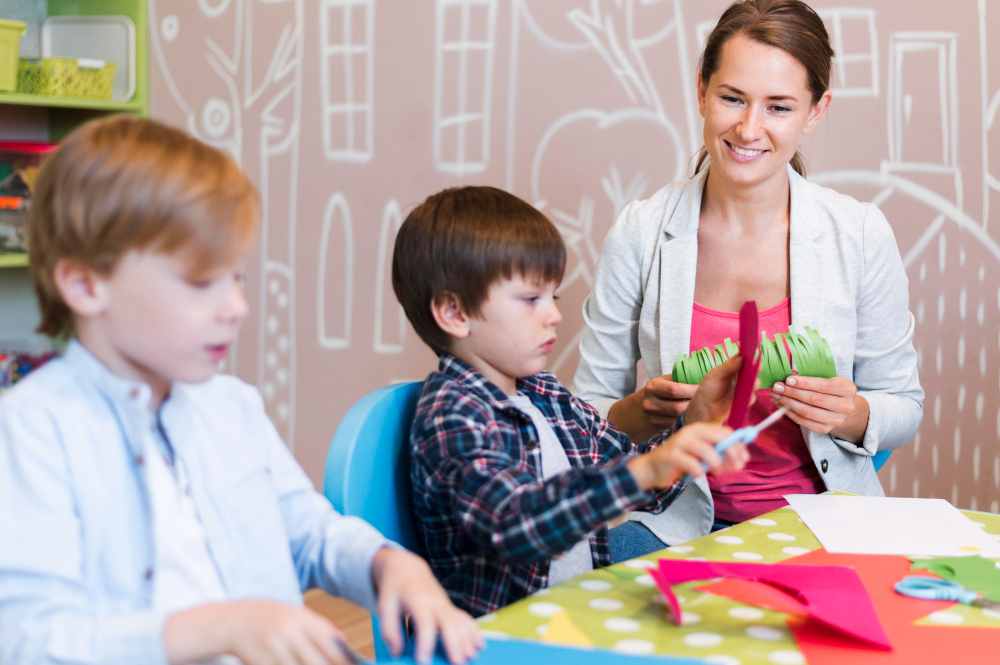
831 595
748 372
913 645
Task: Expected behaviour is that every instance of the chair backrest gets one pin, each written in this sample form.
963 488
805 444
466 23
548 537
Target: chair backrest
368 466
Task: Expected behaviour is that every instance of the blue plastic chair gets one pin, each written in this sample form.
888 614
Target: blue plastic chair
368 469
880 458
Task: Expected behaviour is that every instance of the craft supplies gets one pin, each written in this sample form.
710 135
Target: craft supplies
890 525
933 588
749 324
972 572
834 596
808 354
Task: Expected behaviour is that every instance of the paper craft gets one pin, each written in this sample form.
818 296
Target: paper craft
971 572
831 595
811 355
748 372
884 525
912 644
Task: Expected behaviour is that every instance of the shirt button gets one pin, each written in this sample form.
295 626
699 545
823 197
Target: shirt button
134 393
824 465
149 574
530 444
139 460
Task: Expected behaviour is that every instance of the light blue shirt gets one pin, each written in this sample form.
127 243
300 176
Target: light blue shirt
77 550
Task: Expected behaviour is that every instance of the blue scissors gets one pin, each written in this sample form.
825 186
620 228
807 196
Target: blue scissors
933 588
744 435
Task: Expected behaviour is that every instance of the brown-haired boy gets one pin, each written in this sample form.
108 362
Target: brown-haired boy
149 512
514 479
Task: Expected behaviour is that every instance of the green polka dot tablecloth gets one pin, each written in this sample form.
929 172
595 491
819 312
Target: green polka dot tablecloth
620 607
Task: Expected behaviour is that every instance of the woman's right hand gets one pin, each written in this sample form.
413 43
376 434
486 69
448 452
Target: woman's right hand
663 399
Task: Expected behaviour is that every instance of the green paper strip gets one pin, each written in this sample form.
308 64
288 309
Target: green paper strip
972 572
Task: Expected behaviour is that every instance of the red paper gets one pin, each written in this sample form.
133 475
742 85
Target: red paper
748 372
913 645
831 595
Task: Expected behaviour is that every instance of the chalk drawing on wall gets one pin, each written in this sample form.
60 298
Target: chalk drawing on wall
333 301
990 109
347 78
390 319
234 37
920 57
855 73
465 39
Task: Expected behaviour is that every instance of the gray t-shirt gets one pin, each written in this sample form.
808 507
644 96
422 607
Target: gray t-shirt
578 559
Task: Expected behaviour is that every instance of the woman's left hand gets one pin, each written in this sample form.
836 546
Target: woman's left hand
827 406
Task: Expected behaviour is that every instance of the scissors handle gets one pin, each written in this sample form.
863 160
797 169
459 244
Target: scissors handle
931 588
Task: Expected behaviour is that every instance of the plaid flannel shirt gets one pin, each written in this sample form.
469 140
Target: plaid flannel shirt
488 522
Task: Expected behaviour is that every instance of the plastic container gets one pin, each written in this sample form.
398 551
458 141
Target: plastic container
10 42
66 77
108 38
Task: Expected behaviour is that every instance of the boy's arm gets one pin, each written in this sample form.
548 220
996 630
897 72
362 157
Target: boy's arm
45 615
506 509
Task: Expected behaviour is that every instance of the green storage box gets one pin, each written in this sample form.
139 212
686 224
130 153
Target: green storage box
10 42
66 77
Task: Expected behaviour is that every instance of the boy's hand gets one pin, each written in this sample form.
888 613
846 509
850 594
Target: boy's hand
258 632
683 453
714 398
406 585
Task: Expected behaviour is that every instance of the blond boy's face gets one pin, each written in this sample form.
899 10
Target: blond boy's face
160 326
515 330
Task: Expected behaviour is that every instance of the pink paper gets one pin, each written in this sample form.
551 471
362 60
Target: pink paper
831 595
748 372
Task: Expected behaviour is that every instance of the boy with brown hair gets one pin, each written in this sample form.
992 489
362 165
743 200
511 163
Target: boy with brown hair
514 479
149 512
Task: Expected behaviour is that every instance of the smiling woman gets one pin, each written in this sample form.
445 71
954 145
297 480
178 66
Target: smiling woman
676 267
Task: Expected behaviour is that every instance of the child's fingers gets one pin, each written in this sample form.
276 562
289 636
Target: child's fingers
458 637
426 635
388 611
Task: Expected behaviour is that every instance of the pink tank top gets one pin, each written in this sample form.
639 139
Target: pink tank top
780 462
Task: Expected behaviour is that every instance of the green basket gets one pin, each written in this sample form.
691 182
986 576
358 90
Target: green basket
10 42
66 77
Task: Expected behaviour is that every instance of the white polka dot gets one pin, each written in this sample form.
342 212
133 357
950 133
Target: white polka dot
786 657
645 580
541 630
780 536
487 618
642 564
637 647
595 585
980 525
722 659
622 625
703 640
544 609
605 604
542 592
680 549
746 613
696 558
747 556
946 617
763 521
729 540
764 633
794 551
690 618
993 614
494 635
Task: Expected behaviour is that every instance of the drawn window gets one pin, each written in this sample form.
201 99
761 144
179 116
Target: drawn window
855 43
465 37
347 78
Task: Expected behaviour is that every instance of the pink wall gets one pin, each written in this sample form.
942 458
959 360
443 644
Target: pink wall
348 112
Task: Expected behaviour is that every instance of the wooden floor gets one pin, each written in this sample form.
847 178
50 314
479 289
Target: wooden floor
353 621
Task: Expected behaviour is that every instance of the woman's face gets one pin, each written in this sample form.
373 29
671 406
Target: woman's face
756 106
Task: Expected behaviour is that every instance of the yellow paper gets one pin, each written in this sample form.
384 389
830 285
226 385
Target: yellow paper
562 630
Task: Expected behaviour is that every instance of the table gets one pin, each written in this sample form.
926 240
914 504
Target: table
620 607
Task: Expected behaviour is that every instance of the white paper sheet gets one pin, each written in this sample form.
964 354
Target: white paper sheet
882 525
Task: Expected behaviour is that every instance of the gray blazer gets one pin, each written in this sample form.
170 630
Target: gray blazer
847 282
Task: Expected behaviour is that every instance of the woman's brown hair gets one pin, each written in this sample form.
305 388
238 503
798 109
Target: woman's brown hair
791 25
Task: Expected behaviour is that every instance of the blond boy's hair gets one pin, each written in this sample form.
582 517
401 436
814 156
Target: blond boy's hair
126 183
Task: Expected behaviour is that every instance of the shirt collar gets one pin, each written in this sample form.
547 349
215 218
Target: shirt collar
136 394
